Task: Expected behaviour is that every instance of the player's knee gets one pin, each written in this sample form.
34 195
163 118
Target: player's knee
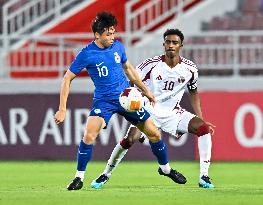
126 143
89 138
131 137
133 134
154 137
202 130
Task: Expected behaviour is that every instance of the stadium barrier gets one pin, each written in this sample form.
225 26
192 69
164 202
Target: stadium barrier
28 131
219 53
239 120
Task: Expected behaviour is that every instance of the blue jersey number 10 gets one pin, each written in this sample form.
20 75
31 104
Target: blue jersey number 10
103 71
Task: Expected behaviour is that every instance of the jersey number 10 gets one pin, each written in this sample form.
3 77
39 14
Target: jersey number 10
103 71
168 85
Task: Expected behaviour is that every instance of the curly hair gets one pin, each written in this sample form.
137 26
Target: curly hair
174 32
103 21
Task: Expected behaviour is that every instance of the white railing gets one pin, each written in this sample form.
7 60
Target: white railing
152 13
20 16
234 51
46 53
226 50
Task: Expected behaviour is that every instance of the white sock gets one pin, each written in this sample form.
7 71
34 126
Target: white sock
80 174
116 156
165 168
205 147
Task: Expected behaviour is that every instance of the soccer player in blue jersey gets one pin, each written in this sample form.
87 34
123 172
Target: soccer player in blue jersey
106 62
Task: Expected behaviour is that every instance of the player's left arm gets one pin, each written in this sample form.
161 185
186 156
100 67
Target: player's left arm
195 102
134 78
196 105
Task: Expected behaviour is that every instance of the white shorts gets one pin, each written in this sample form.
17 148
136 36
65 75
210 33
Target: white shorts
175 123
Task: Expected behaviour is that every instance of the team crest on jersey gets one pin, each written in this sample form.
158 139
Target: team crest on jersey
181 79
117 57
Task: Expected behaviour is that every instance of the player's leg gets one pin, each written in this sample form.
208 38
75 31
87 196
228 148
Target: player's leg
120 150
160 151
143 121
198 127
93 127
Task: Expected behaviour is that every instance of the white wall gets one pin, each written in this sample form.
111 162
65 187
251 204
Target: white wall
84 85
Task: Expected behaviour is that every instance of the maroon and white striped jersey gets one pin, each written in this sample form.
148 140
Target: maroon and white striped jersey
167 84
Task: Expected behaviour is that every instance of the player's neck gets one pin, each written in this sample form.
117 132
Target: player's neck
172 61
98 44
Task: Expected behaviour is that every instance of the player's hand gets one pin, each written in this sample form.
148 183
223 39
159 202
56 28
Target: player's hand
211 127
151 97
60 116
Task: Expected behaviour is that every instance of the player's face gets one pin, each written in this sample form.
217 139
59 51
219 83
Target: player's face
106 38
172 45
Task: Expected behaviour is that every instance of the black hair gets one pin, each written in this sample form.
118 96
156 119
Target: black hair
103 20
174 32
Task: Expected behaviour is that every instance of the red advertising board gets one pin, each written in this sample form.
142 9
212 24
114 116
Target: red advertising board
28 131
239 124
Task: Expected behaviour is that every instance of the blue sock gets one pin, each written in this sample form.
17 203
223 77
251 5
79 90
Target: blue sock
84 155
160 151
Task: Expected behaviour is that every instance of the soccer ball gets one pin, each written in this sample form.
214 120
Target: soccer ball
131 99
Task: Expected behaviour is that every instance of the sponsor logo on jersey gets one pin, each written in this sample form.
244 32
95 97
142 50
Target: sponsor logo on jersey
99 64
97 111
159 77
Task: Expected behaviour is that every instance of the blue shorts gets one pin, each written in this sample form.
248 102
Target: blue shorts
106 108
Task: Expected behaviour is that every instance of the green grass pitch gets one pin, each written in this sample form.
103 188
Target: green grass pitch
138 183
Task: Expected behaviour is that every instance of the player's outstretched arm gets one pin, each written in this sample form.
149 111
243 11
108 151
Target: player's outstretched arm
133 76
64 91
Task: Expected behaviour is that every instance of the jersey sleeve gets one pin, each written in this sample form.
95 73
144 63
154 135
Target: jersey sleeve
80 62
144 69
143 75
192 84
123 54
139 71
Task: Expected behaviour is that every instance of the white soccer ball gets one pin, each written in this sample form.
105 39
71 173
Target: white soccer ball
131 99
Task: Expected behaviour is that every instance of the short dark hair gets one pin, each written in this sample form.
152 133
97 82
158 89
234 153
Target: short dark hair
103 20
174 32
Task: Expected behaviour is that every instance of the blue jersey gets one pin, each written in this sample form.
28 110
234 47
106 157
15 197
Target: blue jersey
104 66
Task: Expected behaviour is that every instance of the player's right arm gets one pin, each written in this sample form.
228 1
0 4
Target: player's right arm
196 105
196 102
64 92
80 62
135 79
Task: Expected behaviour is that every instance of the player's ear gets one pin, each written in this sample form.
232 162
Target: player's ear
182 45
97 35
